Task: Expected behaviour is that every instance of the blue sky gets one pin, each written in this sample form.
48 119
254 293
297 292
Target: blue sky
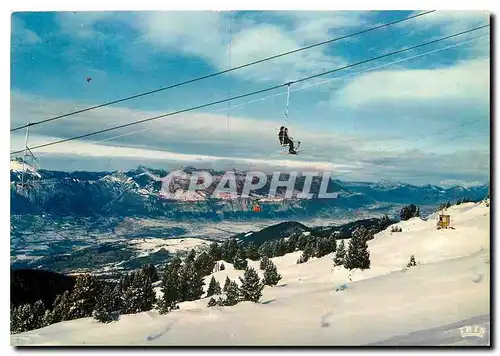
423 120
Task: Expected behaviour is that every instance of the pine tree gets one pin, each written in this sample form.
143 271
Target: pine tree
332 240
271 275
106 302
83 297
338 260
251 286
264 261
322 247
211 302
229 249
291 244
213 287
232 294
358 255
239 260
222 267
412 262
191 282
39 315
27 317
301 242
252 252
150 271
226 284
306 254
215 252
204 264
140 295
170 286
60 308
409 211
265 249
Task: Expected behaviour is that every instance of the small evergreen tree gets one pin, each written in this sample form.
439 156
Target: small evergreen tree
222 267
103 310
170 287
322 247
211 302
301 242
213 287
291 244
265 250
232 294
332 242
264 261
60 308
83 297
271 275
149 270
226 284
229 248
191 282
139 295
338 260
306 254
358 255
412 262
239 260
252 252
215 252
204 265
409 211
251 286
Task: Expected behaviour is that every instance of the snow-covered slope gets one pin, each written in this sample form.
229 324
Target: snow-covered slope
318 304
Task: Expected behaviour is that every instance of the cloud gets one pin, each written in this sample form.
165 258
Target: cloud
206 35
454 94
23 37
201 139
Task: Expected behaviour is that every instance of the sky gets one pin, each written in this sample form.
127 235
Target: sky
422 116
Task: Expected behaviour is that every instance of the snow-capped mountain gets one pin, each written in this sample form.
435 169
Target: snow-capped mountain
134 193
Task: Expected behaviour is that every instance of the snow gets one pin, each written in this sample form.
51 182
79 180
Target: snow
147 246
16 166
318 304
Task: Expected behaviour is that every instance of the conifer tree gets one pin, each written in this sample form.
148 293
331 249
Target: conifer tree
212 302
332 242
222 267
271 275
338 260
306 254
83 297
301 242
358 255
213 287
232 294
264 261
239 260
252 252
412 262
229 249
170 287
139 296
215 252
150 271
251 286
204 264
265 249
60 308
191 282
226 284
106 303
